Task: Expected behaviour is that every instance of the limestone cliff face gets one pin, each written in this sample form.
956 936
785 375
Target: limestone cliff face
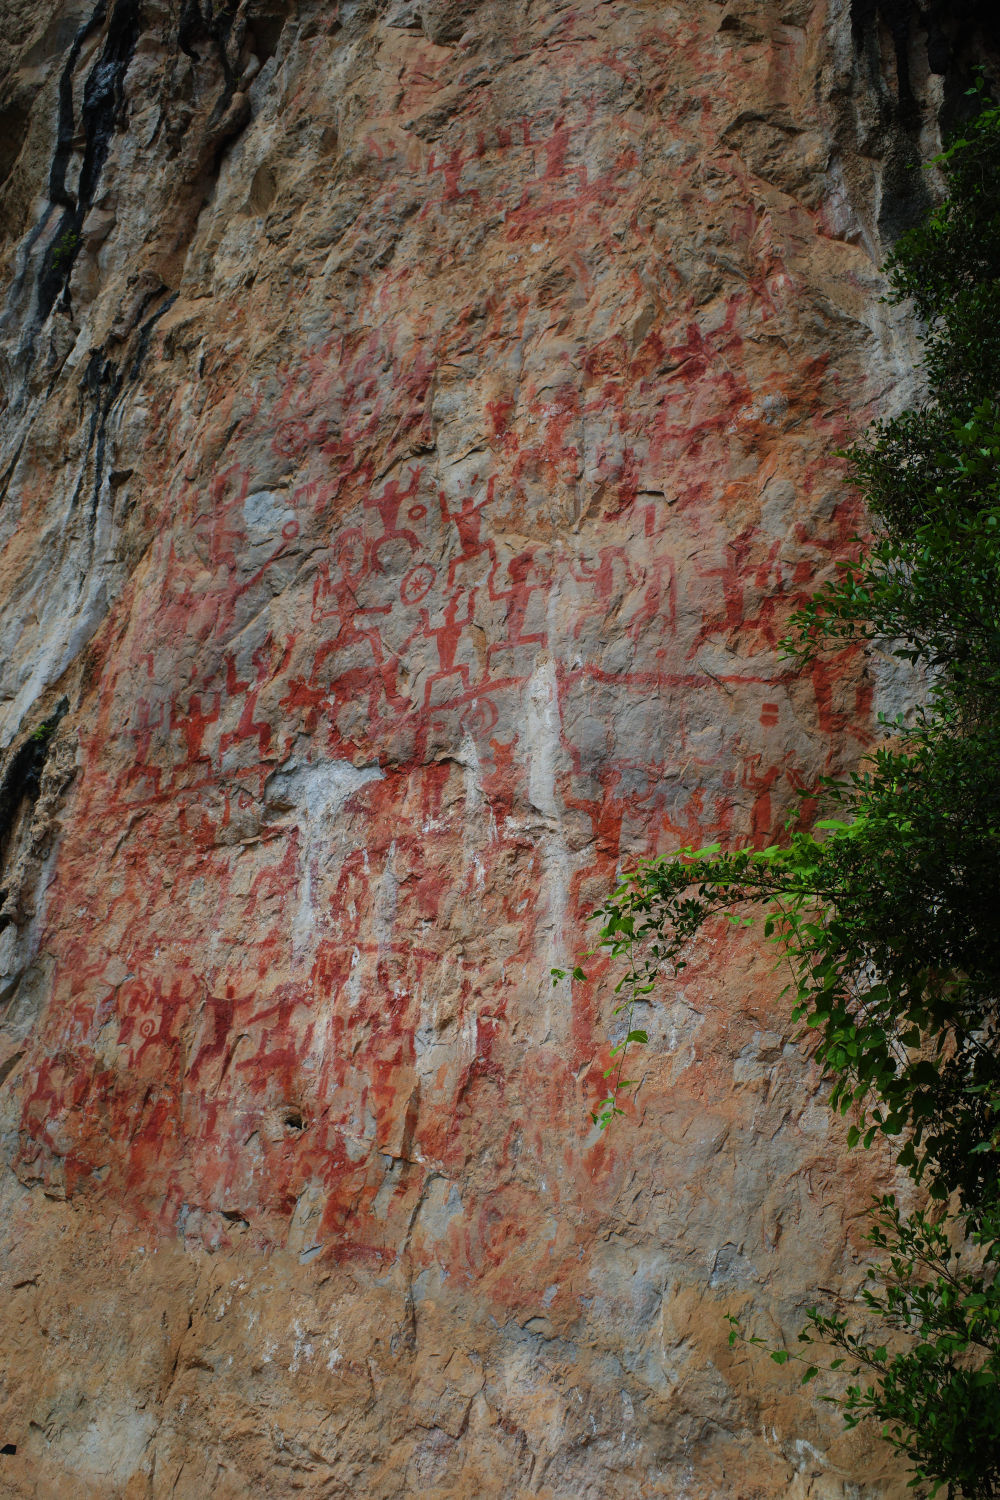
416 426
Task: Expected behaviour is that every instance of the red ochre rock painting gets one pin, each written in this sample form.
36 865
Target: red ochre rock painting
407 492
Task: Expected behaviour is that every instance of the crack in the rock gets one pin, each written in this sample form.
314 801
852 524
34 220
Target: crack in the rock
22 781
100 114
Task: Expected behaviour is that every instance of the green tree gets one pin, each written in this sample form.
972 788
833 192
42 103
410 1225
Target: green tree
888 912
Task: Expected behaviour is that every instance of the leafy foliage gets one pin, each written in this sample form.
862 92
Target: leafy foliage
936 1381
889 912
65 249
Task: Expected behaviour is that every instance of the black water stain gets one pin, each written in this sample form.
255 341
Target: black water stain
5 1071
953 40
146 332
101 112
214 27
22 777
898 17
102 383
15 117
957 37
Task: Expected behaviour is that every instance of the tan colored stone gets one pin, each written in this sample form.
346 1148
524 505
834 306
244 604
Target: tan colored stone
406 484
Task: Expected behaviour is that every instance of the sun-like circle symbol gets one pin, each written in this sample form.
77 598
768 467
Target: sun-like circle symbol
417 583
291 438
479 717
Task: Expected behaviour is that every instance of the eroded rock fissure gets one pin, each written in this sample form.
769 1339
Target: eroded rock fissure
100 114
21 779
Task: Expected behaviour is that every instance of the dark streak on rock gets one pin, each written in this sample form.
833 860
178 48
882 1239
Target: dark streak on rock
102 381
953 39
6 1068
959 36
22 776
100 114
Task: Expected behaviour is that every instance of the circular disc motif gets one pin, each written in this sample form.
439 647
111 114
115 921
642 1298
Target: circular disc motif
417 583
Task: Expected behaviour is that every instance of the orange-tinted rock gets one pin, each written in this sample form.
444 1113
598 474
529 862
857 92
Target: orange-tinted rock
418 424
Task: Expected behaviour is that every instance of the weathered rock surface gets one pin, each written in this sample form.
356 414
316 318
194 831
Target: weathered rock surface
416 426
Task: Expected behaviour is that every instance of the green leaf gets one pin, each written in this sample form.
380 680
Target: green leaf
885 915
